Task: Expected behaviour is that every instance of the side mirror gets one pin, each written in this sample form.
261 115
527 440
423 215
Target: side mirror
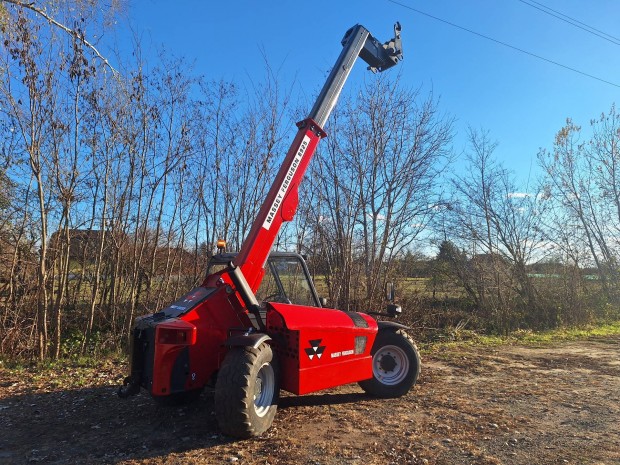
392 310
323 301
389 291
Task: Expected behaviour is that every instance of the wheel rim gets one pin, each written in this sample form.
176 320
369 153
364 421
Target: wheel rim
264 389
390 365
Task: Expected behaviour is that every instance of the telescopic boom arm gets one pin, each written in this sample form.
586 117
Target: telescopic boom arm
356 42
282 200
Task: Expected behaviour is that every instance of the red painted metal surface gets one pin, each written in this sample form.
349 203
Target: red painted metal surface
320 348
280 204
317 348
213 320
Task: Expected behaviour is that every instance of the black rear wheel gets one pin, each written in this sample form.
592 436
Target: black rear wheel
395 365
247 391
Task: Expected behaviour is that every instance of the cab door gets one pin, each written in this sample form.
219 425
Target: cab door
288 281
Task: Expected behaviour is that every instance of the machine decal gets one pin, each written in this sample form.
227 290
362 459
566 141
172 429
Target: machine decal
342 354
286 183
315 349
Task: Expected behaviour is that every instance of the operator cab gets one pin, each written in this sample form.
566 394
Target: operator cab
286 279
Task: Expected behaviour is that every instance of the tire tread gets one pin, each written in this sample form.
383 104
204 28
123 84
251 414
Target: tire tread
373 386
232 393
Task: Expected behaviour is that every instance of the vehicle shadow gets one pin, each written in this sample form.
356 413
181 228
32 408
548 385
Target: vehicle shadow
92 425
322 399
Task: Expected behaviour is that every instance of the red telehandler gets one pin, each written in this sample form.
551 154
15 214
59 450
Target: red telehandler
251 340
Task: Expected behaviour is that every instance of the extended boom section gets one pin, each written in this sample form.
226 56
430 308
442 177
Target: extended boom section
282 199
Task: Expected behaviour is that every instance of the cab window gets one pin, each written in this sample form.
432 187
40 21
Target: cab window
270 289
293 280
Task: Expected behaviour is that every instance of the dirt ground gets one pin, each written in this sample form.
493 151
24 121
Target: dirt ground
554 404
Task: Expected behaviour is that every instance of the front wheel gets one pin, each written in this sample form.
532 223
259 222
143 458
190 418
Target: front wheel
395 365
247 391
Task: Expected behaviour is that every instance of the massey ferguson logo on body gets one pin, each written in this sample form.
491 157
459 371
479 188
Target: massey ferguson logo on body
286 183
315 349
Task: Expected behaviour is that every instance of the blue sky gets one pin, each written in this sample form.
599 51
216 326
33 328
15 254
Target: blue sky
520 100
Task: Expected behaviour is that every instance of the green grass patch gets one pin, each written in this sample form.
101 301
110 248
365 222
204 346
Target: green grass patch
527 337
569 334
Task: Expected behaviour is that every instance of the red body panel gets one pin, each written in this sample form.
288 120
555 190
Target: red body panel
320 348
167 354
214 319
317 348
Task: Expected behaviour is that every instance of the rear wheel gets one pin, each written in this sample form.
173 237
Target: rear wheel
247 390
395 365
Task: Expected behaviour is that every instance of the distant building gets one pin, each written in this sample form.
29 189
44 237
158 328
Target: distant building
83 243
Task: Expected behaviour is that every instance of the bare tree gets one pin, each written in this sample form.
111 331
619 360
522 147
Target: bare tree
582 178
498 224
83 8
377 184
41 91
29 95
328 214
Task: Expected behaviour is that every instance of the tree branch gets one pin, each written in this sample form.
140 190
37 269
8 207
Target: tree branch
31 6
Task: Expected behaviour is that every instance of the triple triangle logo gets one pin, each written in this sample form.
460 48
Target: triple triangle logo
315 349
